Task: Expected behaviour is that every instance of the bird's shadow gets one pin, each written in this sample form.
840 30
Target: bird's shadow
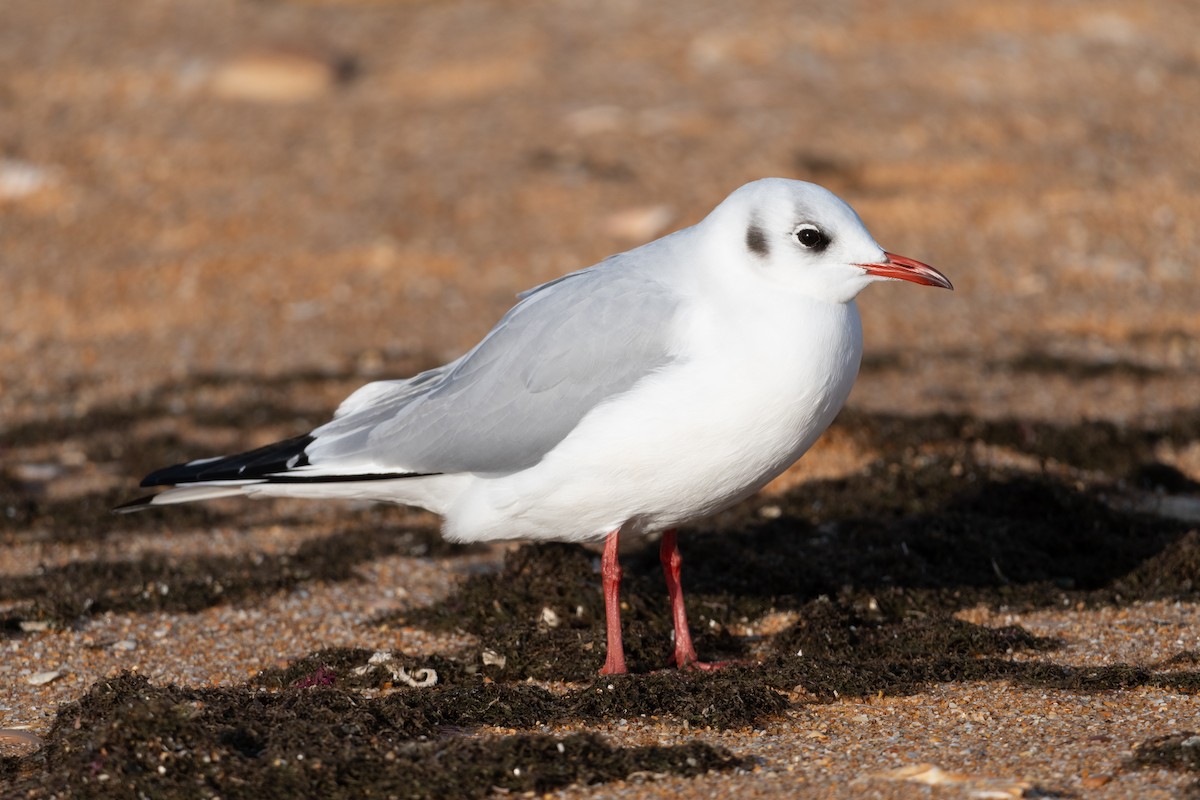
867 574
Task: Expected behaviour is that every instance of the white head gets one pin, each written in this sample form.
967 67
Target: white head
804 237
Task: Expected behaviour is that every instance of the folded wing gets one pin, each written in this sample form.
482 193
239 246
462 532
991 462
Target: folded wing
564 349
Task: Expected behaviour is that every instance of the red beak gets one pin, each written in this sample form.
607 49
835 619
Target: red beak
907 269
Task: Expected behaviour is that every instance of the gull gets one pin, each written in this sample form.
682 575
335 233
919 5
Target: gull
654 388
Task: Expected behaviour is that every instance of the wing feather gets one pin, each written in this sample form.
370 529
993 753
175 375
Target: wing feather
568 346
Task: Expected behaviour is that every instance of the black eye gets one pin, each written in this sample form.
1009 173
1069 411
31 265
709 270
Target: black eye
810 236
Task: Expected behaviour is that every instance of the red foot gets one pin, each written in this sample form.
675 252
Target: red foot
610 576
672 561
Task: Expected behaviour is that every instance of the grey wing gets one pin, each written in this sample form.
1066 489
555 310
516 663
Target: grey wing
565 348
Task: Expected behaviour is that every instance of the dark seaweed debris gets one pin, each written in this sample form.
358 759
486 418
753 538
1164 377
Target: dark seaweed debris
129 738
873 566
1179 751
506 609
1174 751
64 594
731 697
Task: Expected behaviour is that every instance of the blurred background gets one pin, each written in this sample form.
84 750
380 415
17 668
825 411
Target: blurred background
358 188
220 217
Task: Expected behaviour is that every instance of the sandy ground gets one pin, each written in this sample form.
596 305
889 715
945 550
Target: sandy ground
218 218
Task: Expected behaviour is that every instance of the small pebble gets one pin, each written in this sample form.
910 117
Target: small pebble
42 678
276 77
20 179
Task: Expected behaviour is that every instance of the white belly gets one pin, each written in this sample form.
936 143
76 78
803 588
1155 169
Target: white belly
708 431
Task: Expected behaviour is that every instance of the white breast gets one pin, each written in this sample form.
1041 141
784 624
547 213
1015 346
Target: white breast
743 402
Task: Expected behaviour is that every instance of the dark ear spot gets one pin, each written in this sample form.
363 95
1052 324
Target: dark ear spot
756 241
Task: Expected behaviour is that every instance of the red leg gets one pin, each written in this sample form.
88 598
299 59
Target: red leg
685 653
610 574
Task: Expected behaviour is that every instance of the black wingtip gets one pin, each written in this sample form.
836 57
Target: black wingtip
141 504
271 459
